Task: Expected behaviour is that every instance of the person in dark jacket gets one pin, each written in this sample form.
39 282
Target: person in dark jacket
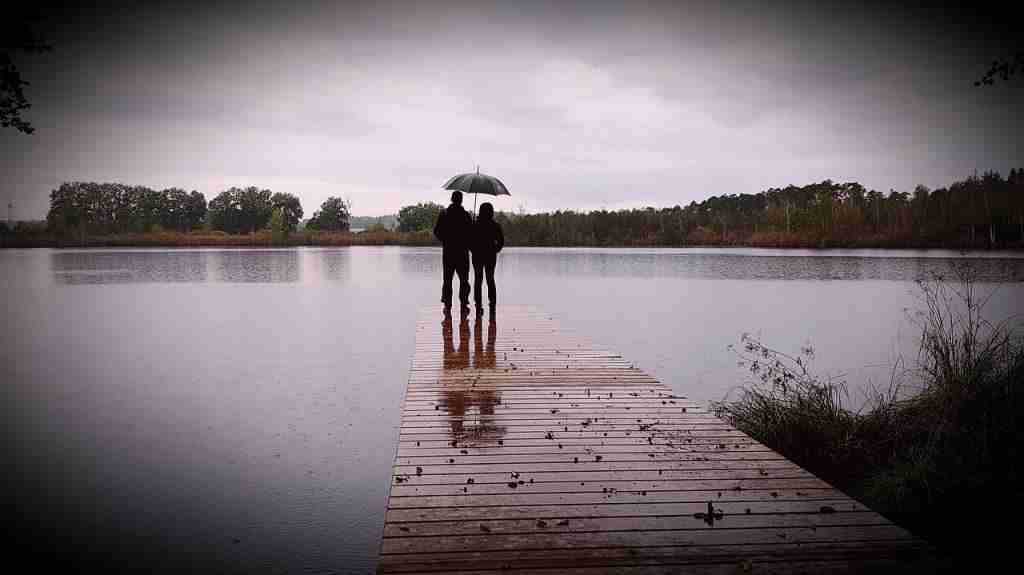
453 229
488 240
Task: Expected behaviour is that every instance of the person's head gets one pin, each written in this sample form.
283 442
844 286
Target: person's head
486 211
457 198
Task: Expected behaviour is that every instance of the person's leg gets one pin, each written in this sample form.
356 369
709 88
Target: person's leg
478 281
463 271
492 289
446 280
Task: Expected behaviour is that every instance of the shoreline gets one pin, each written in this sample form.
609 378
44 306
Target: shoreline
264 239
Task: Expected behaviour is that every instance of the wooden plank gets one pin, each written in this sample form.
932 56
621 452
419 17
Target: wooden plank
595 441
560 457
525 448
556 524
695 559
770 466
517 497
483 541
559 512
436 475
612 488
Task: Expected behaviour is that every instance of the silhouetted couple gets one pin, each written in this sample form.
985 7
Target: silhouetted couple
459 235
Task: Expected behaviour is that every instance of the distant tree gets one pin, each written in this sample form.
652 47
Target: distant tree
223 213
239 210
1003 69
195 210
291 209
278 226
419 217
332 216
173 209
16 36
256 208
66 214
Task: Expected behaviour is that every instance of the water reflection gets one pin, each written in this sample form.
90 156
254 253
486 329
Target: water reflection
325 264
142 266
469 402
335 263
272 266
419 261
312 265
484 358
193 266
751 264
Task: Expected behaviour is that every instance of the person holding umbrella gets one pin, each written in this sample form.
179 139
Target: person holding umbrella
453 229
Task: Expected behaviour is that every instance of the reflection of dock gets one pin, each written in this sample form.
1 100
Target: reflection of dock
532 450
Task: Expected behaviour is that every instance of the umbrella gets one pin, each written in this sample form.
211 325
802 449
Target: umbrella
477 183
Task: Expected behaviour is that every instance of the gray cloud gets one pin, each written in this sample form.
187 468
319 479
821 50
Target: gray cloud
574 106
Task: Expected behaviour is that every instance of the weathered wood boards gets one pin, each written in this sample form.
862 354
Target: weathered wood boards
525 448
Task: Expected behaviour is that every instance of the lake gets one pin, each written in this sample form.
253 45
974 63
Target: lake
237 410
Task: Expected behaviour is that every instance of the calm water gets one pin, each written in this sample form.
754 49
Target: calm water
237 410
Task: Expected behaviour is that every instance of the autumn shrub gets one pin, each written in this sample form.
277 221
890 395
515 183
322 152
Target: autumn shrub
939 450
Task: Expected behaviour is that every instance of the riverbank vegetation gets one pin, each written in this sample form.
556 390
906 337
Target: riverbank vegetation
977 212
24 238
939 451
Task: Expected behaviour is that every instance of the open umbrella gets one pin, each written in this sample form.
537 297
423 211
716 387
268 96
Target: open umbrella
477 183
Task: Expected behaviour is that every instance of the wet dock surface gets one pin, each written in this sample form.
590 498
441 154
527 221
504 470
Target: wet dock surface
525 448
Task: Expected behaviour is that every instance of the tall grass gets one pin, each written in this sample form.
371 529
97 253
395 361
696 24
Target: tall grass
262 238
939 451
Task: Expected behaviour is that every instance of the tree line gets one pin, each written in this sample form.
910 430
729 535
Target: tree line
117 208
977 211
89 208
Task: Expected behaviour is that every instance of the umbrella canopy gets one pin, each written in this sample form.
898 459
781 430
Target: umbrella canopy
477 183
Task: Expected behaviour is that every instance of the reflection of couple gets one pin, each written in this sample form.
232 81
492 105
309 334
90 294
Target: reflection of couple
458 358
459 235
460 395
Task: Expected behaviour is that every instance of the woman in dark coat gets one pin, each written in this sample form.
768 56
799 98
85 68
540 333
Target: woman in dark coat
488 240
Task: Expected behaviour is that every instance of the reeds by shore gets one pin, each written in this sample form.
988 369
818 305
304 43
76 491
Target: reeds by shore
263 238
40 238
940 451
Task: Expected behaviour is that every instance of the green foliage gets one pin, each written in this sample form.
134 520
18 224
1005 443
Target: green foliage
195 210
388 222
419 217
291 209
241 210
788 405
87 207
279 226
17 36
978 211
1003 69
331 217
927 459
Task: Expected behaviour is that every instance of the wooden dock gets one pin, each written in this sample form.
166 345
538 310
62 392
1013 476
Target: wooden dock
525 448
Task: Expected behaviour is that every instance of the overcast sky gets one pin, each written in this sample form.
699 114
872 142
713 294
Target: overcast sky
573 105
